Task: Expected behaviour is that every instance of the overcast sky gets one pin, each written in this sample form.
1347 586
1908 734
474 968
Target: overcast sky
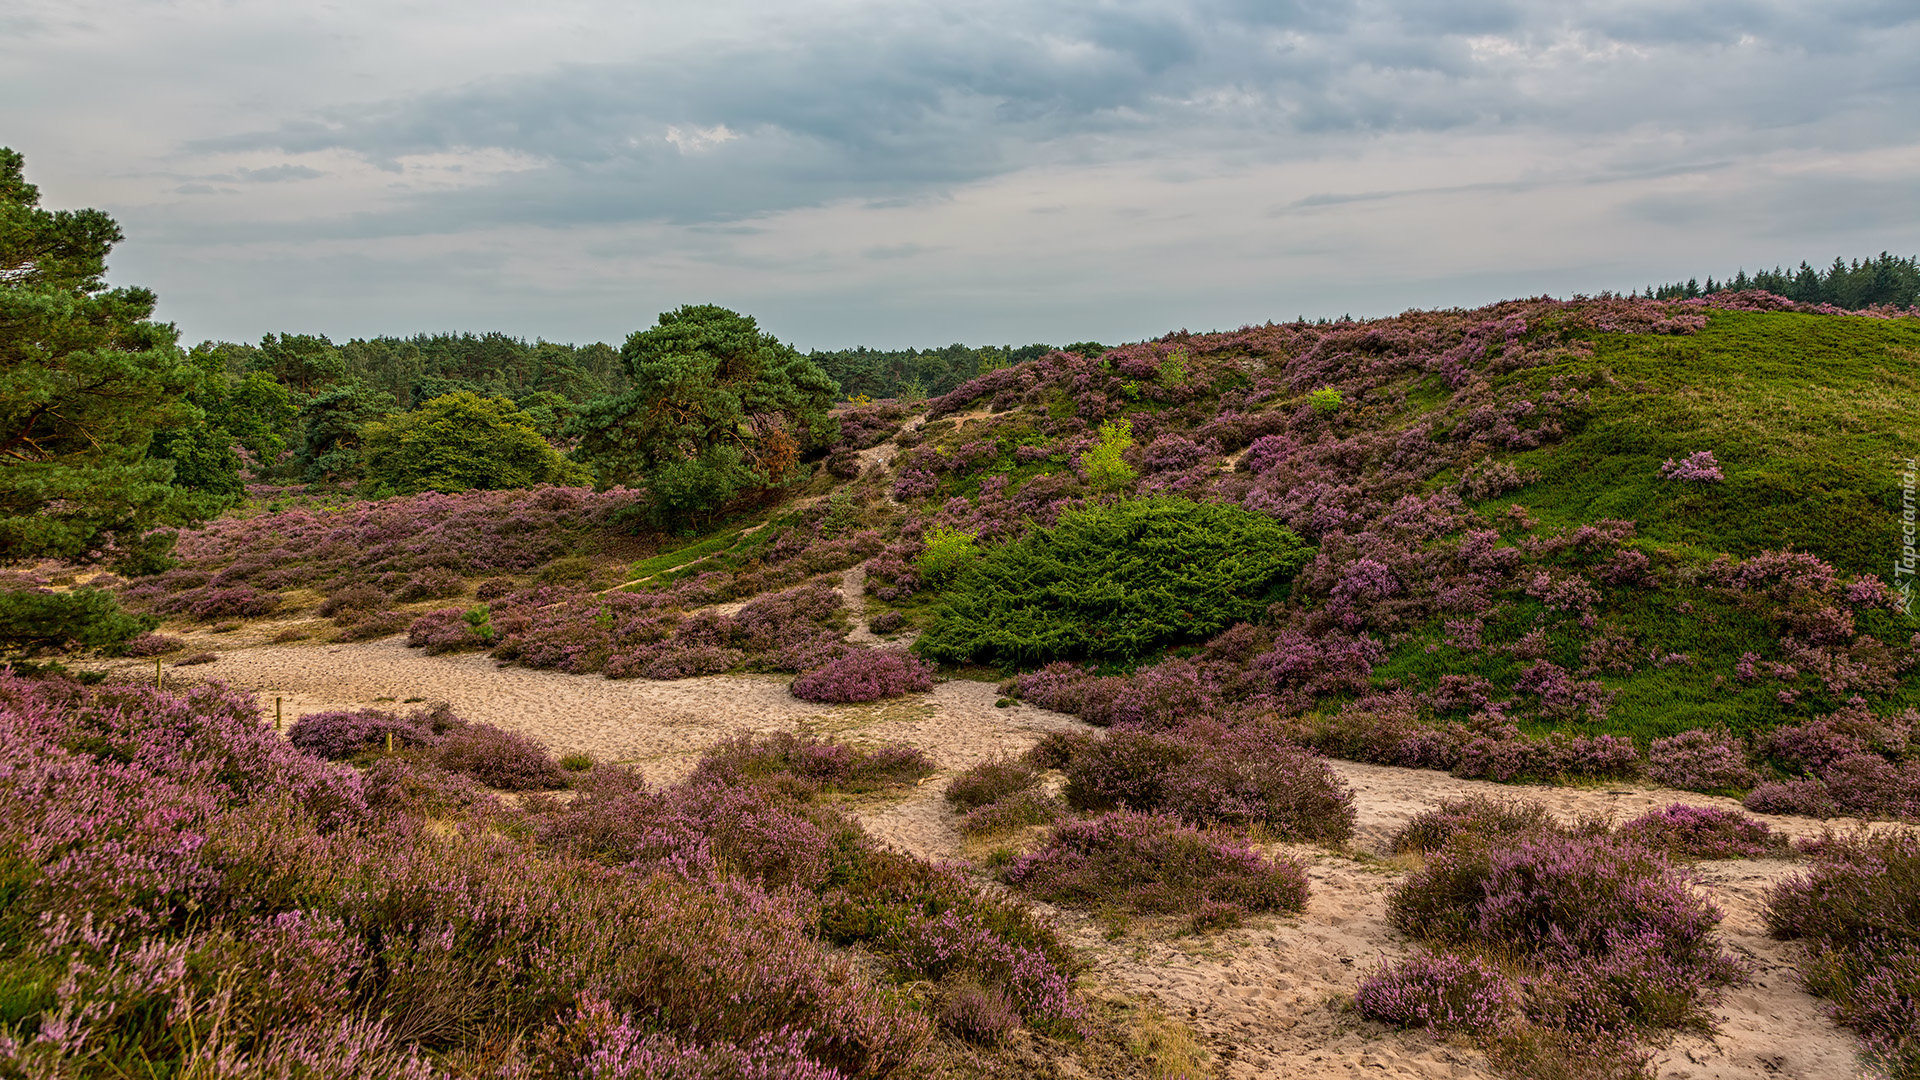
902 173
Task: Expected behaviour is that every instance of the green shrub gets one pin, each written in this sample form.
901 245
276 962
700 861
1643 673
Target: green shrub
1326 401
948 552
1103 465
1117 583
88 617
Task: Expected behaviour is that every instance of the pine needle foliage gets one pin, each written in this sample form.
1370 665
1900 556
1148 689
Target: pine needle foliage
1116 583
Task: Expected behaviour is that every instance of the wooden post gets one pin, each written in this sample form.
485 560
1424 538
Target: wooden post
389 742
276 716
158 683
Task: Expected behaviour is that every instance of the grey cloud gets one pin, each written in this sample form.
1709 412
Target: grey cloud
274 174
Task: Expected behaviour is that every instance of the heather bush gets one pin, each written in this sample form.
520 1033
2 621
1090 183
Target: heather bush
865 675
152 644
1440 992
357 597
990 781
1231 777
1609 922
1704 832
1151 863
340 735
886 622
1857 911
1713 762
377 625
196 659
1485 816
1508 756
1019 810
498 758
813 761
199 910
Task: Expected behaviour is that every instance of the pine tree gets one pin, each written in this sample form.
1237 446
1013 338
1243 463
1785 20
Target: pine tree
86 378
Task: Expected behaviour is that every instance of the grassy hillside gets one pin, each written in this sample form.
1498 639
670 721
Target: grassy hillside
1809 416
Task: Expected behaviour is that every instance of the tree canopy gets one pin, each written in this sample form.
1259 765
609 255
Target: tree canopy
462 442
716 408
86 379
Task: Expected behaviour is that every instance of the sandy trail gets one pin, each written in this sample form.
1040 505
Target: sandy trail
1266 999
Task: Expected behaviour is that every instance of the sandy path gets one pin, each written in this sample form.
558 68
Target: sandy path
1266 999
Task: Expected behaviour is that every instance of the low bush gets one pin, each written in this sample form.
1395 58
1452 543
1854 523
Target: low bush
812 761
152 644
1858 913
342 734
1712 762
990 781
377 625
356 598
1704 832
1020 810
196 659
1484 816
1151 863
1440 992
499 758
1115 582
865 675
1241 776
886 622
1611 924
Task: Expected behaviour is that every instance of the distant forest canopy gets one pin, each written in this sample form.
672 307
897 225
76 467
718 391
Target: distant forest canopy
910 373
1888 280
417 369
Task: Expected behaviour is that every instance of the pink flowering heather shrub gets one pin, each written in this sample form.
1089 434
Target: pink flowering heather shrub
1594 912
1704 832
1714 762
1858 913
990 781
1440 992
151 644
1484 816
813 761
1698 467
1505 755
211 602
1019 810
866 675
498 758
340 735
1230 777
1151 863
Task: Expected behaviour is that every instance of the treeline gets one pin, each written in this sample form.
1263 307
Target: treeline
417 369
1889 280
923 373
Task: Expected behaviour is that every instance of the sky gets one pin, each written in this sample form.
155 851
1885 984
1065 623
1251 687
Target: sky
900 173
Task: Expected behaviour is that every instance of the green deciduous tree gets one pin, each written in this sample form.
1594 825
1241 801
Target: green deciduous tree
231 414
462 442
716 409
86 379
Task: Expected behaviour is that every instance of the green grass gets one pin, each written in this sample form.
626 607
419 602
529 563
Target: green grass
1809 416
669 560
